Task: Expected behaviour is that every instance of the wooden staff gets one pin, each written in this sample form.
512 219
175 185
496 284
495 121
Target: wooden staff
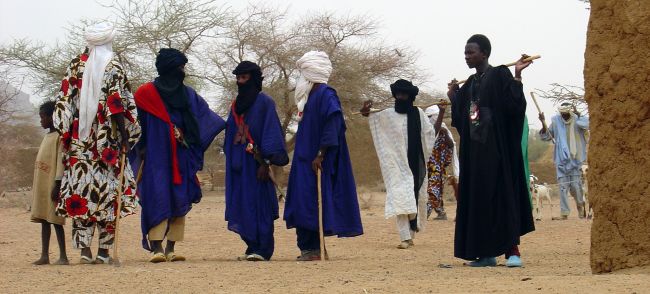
278 191
532 94
139 176
423 106
116 259
530 58
321 234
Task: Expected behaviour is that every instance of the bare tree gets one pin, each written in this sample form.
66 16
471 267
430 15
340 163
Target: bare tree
10 86
216 39
143 28
363 64
565 93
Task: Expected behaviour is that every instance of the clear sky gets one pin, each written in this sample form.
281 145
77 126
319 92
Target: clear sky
438 29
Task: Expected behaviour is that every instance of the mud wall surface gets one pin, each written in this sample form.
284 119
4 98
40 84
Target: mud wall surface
617 89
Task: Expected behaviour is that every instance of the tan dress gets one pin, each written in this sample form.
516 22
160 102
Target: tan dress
47 168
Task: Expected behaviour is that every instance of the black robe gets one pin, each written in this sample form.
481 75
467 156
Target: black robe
493 206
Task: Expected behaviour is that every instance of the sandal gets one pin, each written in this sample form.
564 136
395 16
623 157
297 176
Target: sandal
102 260
158 257
86 260
255 257
171 257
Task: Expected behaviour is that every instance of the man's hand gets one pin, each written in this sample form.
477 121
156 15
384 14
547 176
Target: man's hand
263 173
452 88
121 125
575 110
55 194
543 120
317 163
365 109
521 65
125 146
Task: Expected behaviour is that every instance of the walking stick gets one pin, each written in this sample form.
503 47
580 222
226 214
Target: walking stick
116 259
532 94
438 101
530 58
139 176
321 235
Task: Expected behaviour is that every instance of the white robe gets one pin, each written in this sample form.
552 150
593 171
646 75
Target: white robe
389 133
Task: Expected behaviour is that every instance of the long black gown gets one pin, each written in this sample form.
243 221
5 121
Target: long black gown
493 206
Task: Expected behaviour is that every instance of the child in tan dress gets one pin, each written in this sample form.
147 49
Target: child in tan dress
48 170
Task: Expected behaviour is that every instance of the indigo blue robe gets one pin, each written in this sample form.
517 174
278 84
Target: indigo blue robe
159 197
252 205
323 125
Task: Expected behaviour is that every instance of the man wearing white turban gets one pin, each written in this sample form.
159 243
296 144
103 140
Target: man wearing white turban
568 128
95 116
320 144
442 156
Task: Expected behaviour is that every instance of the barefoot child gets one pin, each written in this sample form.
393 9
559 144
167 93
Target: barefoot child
47 182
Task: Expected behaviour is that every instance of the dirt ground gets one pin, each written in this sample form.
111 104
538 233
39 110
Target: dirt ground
556 260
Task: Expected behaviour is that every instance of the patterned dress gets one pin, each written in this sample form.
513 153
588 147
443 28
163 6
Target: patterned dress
439 160
92 167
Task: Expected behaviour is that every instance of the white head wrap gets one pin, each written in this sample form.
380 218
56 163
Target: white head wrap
314 67
568 108
571 133
432 112
100 44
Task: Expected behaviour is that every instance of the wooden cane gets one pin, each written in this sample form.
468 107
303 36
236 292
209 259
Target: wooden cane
321 234
139 176
539 110
116 259
423 106
530 58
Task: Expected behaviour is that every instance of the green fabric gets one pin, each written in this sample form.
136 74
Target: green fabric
524 152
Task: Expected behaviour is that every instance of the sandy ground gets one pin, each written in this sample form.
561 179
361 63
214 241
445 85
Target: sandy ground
556 259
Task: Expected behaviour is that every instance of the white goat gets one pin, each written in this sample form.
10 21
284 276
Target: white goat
539 192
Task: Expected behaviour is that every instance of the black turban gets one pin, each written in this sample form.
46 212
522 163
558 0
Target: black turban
404 86
173 92
483 43
169 59
247 93
247 67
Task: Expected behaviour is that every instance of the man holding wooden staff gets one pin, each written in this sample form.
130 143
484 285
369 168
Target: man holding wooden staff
403 138
96 122
568 130
253 142
493 206
320 145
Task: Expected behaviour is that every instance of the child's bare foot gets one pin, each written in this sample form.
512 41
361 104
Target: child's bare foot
62 261
41 261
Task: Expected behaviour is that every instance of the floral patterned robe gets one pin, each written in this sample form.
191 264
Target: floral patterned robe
91 169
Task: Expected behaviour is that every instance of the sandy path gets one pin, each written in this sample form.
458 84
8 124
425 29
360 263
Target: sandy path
556 257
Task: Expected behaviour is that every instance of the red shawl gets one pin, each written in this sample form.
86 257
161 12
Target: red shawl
148 99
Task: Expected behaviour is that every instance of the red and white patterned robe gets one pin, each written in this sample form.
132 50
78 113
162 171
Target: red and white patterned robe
91 168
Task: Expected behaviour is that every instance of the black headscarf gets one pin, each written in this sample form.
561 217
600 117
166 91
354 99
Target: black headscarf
414 152
173 92
483 43
247 93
